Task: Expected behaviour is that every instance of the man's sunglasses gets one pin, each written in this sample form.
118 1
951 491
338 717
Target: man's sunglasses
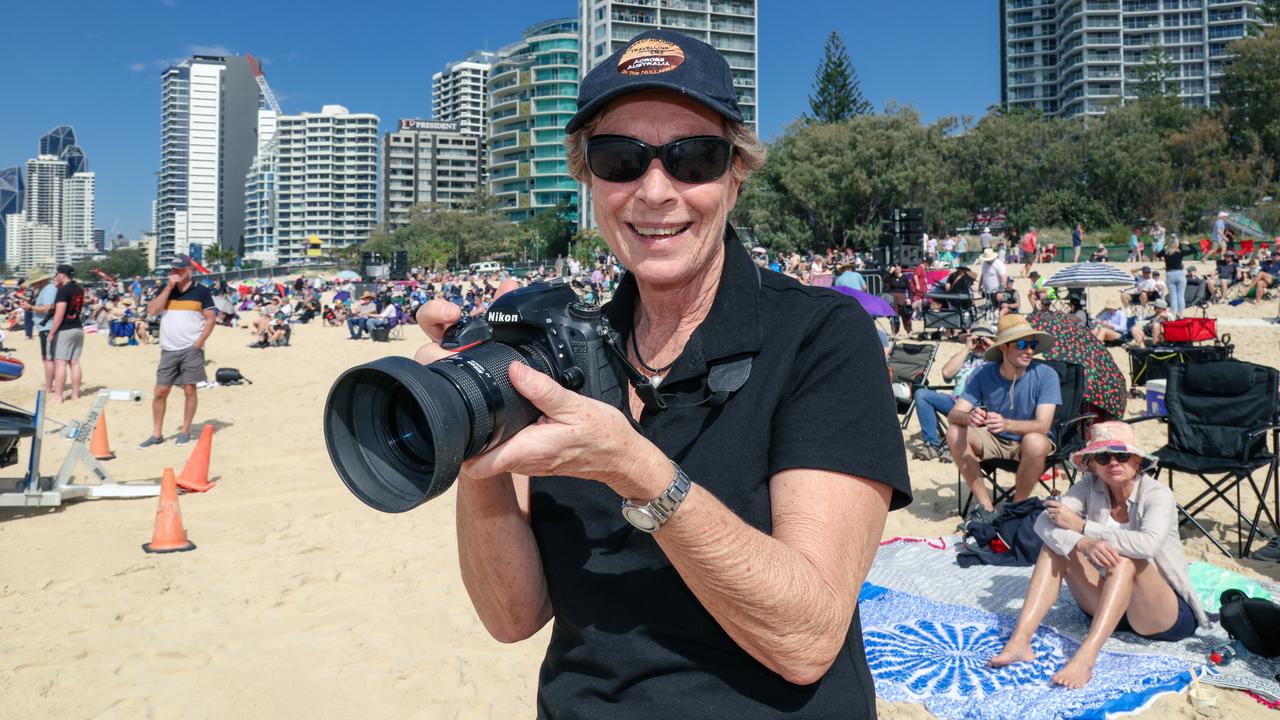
1104 458
1026 344
700 159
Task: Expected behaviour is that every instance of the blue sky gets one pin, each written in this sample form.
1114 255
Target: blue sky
96 64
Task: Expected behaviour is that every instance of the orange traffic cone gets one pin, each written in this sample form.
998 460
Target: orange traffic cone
168 536
98 445
195 474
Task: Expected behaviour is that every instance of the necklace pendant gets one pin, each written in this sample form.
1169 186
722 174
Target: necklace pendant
654 380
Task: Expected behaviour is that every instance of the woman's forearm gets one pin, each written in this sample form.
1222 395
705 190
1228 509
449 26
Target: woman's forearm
786 599
499 559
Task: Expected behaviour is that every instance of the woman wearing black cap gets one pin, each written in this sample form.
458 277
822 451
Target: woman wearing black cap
702 559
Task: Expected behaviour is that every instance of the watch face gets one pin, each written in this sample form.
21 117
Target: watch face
640 519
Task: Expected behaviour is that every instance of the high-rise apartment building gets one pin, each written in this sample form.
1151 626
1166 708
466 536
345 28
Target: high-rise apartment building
34 233
326 180
10 200
427 162
458 92
729 26
77 218
1073 57
208 138
533 90
260 193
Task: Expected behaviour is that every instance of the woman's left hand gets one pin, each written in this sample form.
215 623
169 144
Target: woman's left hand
1063 516
575 437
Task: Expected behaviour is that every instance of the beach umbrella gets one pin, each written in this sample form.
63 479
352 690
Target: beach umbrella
1106 388
351 275
224 304
1087 275
875 305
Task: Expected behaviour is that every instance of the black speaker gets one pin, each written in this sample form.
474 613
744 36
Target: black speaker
914 214
400 265
911 226
371 258
914 238
908 255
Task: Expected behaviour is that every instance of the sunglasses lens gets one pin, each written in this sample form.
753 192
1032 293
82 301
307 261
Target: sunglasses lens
1104 458
1024 344
699 159
616 159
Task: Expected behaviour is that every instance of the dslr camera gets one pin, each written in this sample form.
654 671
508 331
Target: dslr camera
398 431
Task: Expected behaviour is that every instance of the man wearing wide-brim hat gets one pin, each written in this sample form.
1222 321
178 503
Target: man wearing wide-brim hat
992 275
1006 412
358 320
40 305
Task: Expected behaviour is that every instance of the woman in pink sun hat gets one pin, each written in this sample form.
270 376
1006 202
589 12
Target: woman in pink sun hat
1114 539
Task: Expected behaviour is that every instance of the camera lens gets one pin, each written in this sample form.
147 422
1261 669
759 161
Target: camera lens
398 432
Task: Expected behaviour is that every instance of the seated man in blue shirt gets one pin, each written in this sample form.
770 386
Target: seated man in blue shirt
1006 412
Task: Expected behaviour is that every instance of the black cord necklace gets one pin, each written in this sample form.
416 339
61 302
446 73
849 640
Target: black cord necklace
657 372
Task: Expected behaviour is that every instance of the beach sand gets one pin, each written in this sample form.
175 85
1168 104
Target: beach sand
300 600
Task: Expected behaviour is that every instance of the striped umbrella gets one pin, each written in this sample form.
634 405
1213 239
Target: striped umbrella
1089 274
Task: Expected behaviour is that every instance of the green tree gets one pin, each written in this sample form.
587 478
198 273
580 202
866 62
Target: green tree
1251 90
551 231
439 237
119 263
837 93
1157 75
1269 11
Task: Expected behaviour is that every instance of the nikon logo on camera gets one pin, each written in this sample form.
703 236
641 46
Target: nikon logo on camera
501 317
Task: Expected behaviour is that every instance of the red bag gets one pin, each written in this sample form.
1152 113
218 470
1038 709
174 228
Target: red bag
1190 330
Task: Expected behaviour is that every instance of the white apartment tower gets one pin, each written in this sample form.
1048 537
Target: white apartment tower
458 93
729 26
326 180
1078 57
34 234
77 218
209 114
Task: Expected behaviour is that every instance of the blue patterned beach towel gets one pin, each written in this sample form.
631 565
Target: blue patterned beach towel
935 653
928 568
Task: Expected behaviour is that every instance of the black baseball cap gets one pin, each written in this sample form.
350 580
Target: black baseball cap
659 59
67 270
180 262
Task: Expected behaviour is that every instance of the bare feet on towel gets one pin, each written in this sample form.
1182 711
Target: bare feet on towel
1015 651
1077 673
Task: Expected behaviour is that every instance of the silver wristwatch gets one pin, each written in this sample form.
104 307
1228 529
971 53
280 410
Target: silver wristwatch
650 516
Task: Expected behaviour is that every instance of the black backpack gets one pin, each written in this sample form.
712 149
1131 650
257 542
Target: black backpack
1252 621
230 376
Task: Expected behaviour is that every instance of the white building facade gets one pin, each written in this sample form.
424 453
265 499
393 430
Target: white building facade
326 180
428 162
1078 57
458 93
209 109
77 239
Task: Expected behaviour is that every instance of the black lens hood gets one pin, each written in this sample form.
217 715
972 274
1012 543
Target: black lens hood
362 452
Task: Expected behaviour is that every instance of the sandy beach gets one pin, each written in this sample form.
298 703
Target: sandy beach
300 600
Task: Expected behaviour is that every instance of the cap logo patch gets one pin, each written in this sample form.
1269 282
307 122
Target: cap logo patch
650 57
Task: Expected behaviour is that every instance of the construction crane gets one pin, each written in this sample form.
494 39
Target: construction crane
256 66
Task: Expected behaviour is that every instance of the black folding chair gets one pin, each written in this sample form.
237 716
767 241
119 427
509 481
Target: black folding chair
910 365
1197 295
1219 416
1069 420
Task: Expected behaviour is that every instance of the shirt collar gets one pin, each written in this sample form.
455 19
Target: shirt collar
732 326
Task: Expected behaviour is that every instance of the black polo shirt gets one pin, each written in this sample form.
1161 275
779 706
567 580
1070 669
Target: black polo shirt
630 640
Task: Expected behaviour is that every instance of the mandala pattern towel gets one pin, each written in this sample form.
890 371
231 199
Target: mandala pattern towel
934 653
928 568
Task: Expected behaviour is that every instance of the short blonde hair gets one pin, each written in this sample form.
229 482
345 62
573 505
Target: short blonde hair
748 151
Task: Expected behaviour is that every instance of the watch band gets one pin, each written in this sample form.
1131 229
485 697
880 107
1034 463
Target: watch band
661 508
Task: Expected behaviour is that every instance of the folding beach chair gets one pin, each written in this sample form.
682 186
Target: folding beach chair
395 329
1197 295
1067 432
909 367
1220 414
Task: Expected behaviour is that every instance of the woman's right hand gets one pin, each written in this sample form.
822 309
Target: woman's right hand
435 317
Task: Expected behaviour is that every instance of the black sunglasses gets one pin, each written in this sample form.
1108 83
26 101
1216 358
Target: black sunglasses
700 159
1104 458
